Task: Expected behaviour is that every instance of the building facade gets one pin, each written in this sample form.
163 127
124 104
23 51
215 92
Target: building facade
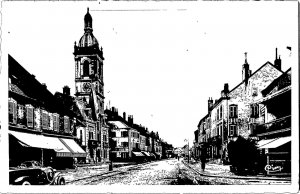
274 130
41 127
234 113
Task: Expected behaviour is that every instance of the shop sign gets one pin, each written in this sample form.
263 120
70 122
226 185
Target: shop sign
270 168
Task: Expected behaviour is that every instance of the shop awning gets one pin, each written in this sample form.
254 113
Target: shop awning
40 141
146 153
264 142
138 154
75 149
277 142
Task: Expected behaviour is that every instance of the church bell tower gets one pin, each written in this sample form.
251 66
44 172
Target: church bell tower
89 69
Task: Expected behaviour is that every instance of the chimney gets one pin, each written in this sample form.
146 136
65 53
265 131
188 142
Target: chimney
246 70
226 88
225 91
210 104
44 85
66 90
277 62
124 116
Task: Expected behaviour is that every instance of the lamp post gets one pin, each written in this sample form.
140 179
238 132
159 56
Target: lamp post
188 149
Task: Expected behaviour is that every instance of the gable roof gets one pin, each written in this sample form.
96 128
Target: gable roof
282 81
267 63
119 124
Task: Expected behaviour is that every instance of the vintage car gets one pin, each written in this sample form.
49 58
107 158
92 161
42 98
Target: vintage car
32 173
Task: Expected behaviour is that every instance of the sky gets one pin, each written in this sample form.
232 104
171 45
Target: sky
163 60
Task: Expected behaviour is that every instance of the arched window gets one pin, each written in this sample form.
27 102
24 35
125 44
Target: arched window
86 68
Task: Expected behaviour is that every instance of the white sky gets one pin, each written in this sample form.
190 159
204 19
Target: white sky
161 64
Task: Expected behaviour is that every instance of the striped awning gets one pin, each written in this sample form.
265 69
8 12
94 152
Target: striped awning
138 154
146 153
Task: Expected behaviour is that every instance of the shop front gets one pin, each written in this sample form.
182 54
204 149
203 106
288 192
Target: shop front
49 151
276 156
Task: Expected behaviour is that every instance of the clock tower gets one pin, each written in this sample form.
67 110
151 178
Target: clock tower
89 91
89 69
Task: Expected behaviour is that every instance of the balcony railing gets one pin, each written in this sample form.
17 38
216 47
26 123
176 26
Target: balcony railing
278 124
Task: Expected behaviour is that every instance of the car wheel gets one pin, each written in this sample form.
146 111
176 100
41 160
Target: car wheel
61 181
26 183
50 174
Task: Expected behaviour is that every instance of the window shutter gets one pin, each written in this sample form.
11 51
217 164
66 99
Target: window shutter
54 122
44 120
15 113
66 124
57 123
29 115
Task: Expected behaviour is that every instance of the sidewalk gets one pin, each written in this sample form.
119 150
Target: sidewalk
213 169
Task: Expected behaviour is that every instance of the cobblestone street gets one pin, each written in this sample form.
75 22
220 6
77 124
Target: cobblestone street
164 172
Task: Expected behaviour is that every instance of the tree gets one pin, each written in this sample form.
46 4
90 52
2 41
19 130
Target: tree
243 155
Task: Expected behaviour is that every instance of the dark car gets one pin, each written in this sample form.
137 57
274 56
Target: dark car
32 173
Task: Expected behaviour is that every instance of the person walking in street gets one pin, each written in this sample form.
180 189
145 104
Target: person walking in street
203 158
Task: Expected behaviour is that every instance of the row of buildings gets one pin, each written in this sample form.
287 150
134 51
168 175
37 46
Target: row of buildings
259 107
60 129
130 141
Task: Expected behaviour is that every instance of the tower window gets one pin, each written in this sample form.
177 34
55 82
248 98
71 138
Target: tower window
86 68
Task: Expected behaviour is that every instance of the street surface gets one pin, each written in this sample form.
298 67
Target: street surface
164 172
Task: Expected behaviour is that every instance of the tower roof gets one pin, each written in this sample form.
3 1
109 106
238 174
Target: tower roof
88 38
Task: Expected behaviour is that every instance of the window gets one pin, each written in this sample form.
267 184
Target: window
124 134
217 114
80 135
37 119
124 144
91 135
232 130
104 154
104 138
29 115
221 112
233 111
220 130
254 111
12 109
254 91
86 68
21 115
66 124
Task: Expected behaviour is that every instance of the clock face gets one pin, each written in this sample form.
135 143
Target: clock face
87 87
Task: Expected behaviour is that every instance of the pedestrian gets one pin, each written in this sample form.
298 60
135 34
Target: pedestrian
203 158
